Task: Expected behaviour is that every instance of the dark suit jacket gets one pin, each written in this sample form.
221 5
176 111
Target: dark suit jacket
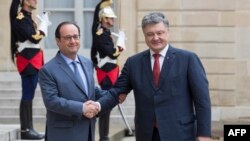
181 103
63 97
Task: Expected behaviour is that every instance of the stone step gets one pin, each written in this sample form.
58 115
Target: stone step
10 85
5 84
5 119
8 132
15 101
11 111
15 93
10 76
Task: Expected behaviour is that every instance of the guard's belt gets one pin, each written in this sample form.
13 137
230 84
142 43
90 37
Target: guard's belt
26 44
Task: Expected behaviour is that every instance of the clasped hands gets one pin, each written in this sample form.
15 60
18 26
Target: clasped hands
92 108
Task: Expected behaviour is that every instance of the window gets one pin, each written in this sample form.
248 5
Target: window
80 11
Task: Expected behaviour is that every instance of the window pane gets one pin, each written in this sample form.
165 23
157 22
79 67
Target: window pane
88 16
90 3
59 3
56 18
61 10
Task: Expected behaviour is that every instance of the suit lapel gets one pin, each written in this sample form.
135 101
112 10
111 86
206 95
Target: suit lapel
167 64
147 67
87 74
64 66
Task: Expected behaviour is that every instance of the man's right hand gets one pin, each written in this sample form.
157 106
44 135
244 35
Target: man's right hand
90 109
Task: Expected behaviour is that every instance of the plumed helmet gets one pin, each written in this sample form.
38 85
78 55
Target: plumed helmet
14 8
102 9
106 12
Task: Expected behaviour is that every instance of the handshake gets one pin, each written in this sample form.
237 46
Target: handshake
92 108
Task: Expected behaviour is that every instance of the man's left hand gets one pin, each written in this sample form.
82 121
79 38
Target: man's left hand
122 98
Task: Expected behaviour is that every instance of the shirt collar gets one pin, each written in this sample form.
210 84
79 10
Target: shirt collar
162 53
68 60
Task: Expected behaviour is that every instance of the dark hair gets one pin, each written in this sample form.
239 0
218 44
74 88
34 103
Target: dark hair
57 32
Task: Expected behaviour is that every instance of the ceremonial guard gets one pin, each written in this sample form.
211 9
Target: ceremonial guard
104 54
28 57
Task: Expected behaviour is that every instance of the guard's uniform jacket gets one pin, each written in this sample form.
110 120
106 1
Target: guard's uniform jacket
104 56
29 56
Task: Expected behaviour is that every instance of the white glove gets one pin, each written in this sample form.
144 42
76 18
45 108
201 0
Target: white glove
45 22
121 39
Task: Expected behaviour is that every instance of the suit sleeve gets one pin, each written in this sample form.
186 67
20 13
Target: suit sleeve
107 99
198 84
122 86
53 101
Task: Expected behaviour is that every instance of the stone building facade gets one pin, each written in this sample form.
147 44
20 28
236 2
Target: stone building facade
217 30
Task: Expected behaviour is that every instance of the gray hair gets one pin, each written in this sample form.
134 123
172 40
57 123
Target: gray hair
154 18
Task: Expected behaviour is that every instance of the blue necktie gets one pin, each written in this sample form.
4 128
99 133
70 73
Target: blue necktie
78 76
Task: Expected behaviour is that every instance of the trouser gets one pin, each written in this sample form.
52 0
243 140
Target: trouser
26 115
27 130
104 126
104 117
29 83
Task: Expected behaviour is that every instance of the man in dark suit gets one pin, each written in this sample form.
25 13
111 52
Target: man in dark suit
170 87
68 90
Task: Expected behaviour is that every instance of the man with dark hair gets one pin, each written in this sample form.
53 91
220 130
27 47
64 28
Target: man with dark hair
28 56
104 55
69 91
